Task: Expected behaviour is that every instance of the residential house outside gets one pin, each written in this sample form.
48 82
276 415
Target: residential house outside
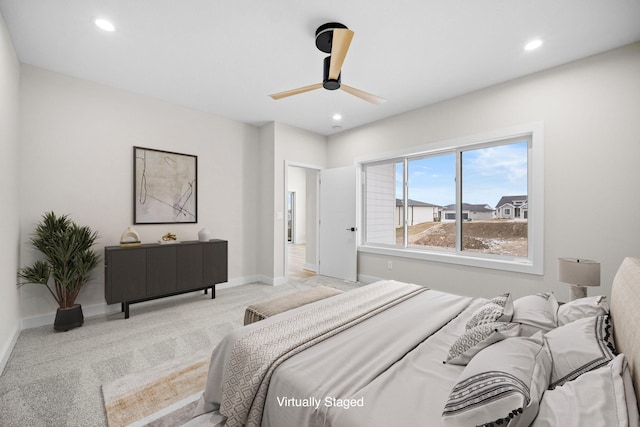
469 212
512 207
418 212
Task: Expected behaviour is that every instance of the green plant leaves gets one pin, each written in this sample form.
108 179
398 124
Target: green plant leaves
69 258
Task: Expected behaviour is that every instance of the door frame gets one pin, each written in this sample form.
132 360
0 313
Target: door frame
285 248
291 217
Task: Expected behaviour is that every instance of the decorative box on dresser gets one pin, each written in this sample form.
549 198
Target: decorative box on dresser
150 271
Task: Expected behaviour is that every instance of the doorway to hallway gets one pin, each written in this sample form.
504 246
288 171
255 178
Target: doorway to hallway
302 215
296 256
301 227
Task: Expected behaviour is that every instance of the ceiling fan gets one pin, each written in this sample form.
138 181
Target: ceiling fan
332 38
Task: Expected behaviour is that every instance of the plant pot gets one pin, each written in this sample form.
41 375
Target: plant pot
68 318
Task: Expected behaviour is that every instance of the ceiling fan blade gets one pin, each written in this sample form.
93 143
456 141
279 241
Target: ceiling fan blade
339 47
296 91
362 94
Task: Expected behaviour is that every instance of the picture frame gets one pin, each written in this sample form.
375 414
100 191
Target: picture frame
165 187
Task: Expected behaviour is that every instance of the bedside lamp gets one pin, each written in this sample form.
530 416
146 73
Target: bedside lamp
579 273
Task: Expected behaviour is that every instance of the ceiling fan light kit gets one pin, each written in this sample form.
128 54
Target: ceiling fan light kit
333 38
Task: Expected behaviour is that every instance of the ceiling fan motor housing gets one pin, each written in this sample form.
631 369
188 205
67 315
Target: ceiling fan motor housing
327 83
324 35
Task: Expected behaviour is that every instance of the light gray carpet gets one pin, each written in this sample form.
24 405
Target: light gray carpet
54 378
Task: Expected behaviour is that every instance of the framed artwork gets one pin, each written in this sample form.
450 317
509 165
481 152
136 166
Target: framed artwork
165 187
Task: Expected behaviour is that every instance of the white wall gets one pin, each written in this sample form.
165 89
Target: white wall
77 158
10 222
590 111
267 212
283 144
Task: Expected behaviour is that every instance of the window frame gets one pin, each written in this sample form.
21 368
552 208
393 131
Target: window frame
534 262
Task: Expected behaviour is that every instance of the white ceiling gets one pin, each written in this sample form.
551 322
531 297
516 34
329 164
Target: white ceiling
225 57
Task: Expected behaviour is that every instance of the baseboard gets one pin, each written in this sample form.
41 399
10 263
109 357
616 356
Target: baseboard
367 279
101 309
277 281
87 311
273 281
5 352
238 282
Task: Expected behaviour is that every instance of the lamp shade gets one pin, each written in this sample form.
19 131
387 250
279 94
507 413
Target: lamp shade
581 272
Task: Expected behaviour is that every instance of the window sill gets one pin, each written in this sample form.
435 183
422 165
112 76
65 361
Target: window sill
496 263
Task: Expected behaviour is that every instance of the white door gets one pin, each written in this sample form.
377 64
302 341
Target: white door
338 233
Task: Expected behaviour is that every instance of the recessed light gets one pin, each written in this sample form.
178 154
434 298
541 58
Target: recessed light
337 117
105 25
533 44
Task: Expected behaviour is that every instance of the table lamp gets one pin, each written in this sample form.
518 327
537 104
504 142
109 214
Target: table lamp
579 273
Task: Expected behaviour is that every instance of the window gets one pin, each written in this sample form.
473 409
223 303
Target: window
412 202
430 179
491 174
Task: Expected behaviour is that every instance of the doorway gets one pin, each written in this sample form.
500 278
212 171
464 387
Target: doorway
301 228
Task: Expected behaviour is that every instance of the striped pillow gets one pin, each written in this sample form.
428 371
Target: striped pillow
602 397
579 347
502 384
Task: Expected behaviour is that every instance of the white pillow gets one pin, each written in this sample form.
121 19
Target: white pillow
536 312
602 397
581 308
502 383
498 309
477 338
579 347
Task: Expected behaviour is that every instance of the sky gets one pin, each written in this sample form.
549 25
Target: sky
487 175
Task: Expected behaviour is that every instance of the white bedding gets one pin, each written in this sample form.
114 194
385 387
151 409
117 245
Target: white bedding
389 370
405 348
604 392
335 382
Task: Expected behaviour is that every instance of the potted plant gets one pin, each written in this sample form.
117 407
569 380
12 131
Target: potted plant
68 262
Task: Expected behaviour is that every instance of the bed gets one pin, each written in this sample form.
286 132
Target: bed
393 353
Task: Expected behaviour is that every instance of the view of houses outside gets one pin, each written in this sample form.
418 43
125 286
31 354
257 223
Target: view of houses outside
490 174
494 203
494 235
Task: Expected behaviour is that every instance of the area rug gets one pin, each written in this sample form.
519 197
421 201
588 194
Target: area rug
165 395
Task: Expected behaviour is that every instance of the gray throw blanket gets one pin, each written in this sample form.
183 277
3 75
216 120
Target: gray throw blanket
255 355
